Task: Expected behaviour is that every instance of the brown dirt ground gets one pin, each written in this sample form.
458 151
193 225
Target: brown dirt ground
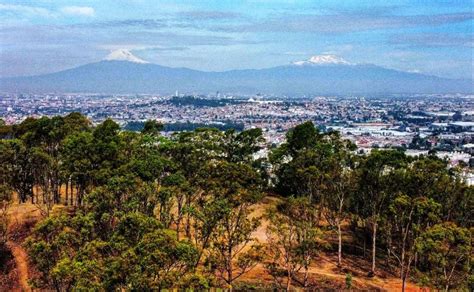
325 267
23 217
21 263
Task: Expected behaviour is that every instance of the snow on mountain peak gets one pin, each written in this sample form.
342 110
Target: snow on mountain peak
323 60
124 55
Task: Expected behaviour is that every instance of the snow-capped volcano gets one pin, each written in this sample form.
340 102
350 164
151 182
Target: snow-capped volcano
324 74
124 55
323 60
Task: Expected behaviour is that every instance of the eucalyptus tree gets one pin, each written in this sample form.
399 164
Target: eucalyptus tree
5 203
318 166
18 168
409 217
294 241
447 256
77 163
235 188
293 162
375 176
190 152
152 127
339 183
241 146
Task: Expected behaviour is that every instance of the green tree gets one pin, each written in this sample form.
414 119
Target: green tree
229 192
293 241
77 163
190 152
18 169
152 127
44 174
375 176
432 177
339 184
237 187
71 252
6 131
161 261
240 147
5 203
446 250
301 137
408 218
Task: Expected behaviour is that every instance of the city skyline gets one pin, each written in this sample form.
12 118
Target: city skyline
42 36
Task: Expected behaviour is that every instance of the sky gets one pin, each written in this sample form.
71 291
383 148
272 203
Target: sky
427 36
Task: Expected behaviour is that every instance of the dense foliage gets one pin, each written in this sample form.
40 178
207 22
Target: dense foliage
187 126
203 102
146 212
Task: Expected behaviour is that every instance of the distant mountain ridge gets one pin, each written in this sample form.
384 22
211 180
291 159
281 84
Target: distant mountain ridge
122 72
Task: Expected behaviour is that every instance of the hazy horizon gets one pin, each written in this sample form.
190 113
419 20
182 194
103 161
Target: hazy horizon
435 38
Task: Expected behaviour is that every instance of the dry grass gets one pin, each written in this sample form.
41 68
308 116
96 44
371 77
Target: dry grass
324 272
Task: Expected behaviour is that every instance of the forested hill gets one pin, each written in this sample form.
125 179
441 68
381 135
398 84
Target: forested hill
121 210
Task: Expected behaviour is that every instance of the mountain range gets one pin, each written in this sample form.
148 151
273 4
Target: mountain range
122 72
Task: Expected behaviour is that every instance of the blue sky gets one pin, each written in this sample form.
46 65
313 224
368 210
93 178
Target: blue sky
427 36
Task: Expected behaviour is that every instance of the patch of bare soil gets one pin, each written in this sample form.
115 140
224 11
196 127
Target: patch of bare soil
22 217
8 271
324 272
21 264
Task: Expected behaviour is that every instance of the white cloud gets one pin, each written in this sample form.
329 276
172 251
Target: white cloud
24 9
291 53
78 10
338 49
129 47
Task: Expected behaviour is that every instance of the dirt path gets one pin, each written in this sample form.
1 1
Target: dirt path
386 284
21 261
21 214
325 265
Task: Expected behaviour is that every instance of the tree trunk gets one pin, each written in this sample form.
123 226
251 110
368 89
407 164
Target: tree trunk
178 226
71 199
402 266
406 272
58 192
180 217
229 273
66 201
365 244
33 197
229 265
288 282
188 219
389 246
374 237
78 196
416 260
339 248
305 278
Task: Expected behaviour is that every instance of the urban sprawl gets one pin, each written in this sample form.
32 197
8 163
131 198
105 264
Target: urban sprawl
440 124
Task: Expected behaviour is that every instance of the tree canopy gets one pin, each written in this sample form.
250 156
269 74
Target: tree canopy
148 212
